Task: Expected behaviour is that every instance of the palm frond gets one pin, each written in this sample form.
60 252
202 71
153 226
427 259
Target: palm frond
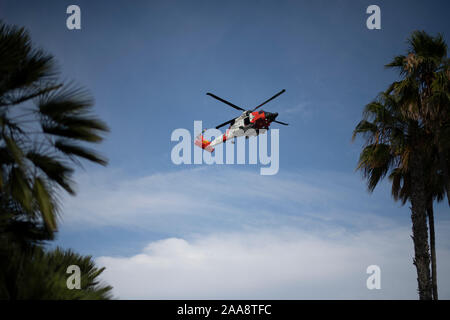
55 170
44 200
71 149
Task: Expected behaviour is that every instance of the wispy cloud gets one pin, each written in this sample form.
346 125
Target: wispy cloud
303 109
217 198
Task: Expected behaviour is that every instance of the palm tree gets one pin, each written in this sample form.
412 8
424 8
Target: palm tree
425 91
422 104
40 274
42 125
397 143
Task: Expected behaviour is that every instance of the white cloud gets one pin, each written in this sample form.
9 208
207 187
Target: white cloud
271 264
235 234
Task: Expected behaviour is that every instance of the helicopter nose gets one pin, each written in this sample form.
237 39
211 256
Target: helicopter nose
273 116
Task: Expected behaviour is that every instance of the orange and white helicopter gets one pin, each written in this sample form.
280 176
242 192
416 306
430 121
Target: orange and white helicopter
249 123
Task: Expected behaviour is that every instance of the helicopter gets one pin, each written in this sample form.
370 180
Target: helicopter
249 123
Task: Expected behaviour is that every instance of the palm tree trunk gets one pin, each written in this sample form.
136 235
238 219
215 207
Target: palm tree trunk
433 249
443 165
419 227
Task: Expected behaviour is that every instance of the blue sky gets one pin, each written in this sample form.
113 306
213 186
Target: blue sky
150 63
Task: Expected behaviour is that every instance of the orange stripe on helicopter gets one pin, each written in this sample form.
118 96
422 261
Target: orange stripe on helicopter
257 116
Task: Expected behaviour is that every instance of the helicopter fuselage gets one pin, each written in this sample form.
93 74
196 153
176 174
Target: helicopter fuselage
248 124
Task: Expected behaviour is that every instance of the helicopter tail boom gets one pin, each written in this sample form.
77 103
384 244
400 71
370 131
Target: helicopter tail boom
203 143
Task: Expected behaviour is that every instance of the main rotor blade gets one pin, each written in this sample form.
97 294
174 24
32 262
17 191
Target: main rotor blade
225 123
225 101
280 122
282 91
